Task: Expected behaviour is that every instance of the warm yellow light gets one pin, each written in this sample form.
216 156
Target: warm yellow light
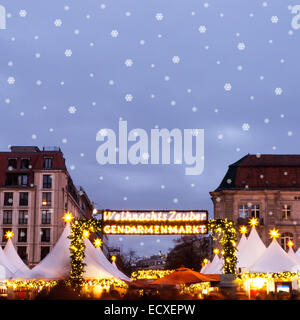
68 217
243 230
290 243
274 233
216 251
9 234
113 258
253 222
258 283
205 260
86 233
44 203
98 242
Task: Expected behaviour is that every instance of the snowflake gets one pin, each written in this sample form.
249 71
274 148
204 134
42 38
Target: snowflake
10 63
57 22
278 91
227 86
241 46
245 126
206 5
266 120
167 78
101 178
220 136
103 6
145 156
162 186
128 62
64 140
34 136
128 14
111 82
173 103
68 52
114 33
274 19
142 42
159 16
194 109
290 133
67 8
125 198
38 82
72 109
128 97
264 4
11 80
76 31
175 59
240 68
37 55
202 29
23 13
175 200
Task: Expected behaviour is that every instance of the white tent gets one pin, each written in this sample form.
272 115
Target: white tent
242 242
292 254
8 269
21 269
251 250
274 259
57 264
111 266
298 253
215 267
205 267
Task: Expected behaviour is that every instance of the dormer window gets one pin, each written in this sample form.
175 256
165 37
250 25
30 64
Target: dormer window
48 163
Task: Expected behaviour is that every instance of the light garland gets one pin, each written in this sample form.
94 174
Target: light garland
30 284
287 276
227 241
149 274
79 230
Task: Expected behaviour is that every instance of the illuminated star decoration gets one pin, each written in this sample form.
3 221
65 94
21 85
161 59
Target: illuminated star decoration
68 217
98 242
243 230
9 234
216 251
290 244
205 261
113 258
274 233
253 222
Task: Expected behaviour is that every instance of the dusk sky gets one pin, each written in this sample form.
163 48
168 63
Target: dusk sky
71 68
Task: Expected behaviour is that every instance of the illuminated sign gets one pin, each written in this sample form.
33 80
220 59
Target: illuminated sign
148 222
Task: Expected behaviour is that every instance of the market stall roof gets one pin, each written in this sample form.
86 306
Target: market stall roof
21 269
57 264
292 254
215 267
298 253
205 267
185 276
274 259
7 268
242 242
251 250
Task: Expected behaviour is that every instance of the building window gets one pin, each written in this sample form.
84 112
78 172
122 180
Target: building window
12 164
23 180
48 163
8 198
47 181
23 217
243 211
22 235
7 217
285 238
286 212
44 252
255 211
23 201
4 233
24 165
45 235
46 199
22 252
46 217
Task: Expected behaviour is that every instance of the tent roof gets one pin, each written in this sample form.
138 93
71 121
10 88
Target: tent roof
215 266
292 254
21 268
242 242
251 250
57 264
8 268
274 259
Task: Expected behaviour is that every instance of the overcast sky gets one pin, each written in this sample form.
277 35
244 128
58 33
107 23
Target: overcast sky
228 67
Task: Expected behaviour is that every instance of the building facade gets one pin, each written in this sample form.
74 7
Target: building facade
36 190
266 187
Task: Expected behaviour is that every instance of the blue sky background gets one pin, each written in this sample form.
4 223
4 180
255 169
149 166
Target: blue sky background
247 44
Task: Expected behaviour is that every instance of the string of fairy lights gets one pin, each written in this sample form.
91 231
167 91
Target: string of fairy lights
223 230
